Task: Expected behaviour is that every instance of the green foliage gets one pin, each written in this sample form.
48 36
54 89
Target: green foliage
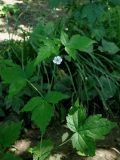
77 42
42 150
42 110
87 130
54 97
10 156
9 132
109 47
88 42
15 76
8 9
41 116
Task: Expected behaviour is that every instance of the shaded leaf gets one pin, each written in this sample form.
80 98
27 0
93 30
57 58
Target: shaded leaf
41 115
49 28
10 156
108 87
11 74
92 11
16 87
54 97
9 132
109 47
115 2
29 69
32 103
79 42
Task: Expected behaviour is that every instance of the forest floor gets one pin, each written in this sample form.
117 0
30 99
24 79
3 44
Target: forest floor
31 13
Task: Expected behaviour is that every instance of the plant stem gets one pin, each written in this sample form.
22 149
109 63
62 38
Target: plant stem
64 142
53 75
33 86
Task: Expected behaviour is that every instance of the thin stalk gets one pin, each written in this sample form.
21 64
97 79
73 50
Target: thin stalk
64 142
48 80
53 75
22 58
33 86
71 78
41 140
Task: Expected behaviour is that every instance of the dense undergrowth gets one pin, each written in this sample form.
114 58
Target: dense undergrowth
73 61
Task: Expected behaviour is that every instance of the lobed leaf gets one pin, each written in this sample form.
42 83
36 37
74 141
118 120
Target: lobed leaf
75 118
83 144
87 130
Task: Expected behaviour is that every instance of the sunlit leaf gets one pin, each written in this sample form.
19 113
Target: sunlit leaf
42 150
87 130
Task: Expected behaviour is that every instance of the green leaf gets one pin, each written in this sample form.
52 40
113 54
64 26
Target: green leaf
16 87
41 115
96 127
79 42
64 38
14 102
32 103
109 47
10 156
41 112
14 76
108 87
72 52
92 11
54 97
115 2
42 151
87 130
49 28
46 52
75 118
2 114
83 144
9 133
65 136
54 3
11 74
29 69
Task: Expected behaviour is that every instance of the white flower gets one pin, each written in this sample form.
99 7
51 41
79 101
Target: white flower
57 60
